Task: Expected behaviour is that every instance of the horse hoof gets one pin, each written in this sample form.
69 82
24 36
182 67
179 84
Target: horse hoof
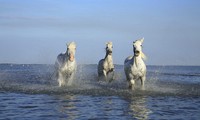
131 87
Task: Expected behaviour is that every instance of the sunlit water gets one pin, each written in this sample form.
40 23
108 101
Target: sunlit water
31 92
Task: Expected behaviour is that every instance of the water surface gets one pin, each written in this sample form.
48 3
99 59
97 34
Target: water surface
31 92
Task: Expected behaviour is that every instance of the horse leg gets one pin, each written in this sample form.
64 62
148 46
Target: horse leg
105 75
60 79
70 79
142 82
112 76
132 84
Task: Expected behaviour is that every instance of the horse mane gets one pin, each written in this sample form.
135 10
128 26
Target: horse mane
143 56
108 43
71 44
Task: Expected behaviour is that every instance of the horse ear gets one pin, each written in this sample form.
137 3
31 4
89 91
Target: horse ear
107 43
74 43
142 40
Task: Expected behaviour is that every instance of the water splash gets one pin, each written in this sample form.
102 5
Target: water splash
37 79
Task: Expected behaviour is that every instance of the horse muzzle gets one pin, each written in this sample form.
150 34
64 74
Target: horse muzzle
109 52
136 53
71 57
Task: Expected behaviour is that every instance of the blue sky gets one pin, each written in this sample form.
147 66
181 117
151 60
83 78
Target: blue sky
36 31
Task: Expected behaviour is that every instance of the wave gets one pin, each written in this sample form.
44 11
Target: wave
177 74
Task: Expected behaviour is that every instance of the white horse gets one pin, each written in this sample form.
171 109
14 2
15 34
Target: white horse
134 66
106 66
66 65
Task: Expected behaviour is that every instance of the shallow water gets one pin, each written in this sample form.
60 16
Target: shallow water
30 92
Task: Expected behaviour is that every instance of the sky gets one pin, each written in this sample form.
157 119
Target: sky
36 31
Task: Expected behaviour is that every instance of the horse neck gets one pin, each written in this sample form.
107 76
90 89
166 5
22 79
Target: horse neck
108 58
66 56
137 60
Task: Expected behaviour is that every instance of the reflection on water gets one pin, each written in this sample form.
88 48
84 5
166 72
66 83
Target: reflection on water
138 107
80 107
84 107
111 107
67 107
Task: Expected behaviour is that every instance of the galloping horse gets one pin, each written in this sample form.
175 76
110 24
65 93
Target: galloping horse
66 65
134 66
106 66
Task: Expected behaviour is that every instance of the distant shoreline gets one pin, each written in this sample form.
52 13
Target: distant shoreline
96 64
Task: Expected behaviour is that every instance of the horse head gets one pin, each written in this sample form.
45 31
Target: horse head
137 48
71 49
109 48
